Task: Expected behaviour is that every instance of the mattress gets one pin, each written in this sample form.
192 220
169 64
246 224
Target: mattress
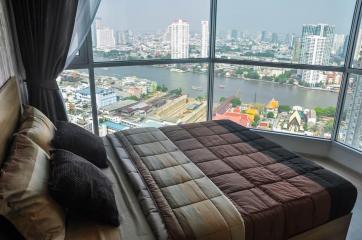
277 193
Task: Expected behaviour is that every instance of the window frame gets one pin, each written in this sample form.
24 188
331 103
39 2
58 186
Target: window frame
85 60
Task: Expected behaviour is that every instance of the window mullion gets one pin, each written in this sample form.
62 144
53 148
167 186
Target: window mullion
92 83
212 42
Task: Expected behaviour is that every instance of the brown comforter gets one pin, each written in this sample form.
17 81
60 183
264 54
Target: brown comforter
277 193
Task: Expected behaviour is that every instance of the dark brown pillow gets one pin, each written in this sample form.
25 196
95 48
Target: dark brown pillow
81 142
82 188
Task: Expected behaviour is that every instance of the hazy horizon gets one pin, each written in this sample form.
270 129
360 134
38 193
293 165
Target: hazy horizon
287 16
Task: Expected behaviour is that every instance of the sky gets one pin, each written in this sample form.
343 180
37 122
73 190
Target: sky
281 16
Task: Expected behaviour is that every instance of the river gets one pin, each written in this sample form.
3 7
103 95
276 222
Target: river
248 90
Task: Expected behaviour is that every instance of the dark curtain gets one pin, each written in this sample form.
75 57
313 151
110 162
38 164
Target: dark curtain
45 30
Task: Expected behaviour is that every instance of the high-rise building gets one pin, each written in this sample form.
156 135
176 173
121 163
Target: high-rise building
204 39
358 49
96 25
105 38
180 39
288 39
338 43
265 36
345 45
234 34
123 37
314 54
316 47
321 30
353 110
274 38
296 48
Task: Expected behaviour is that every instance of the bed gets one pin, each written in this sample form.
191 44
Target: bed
209 180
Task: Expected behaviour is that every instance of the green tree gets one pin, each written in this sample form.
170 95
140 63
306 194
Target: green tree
222 99
284 108
200 98
325 112
239 71
236 102
252 75
284 78
162 88
268 78
256 120
177 91
270 115
135 98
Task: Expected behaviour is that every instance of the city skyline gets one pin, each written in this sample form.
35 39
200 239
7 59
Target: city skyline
119 15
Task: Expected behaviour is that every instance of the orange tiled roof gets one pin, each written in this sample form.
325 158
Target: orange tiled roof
239 118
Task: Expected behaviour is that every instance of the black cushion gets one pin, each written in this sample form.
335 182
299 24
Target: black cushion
82 188
8 231
81 142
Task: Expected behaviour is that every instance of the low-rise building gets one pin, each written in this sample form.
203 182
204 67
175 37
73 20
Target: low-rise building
104 96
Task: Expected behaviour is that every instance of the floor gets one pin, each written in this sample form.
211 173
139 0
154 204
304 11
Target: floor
355 229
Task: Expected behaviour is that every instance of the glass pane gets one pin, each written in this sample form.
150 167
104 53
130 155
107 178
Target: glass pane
284 31
350 129
150 96
357 59
136 29
284 100
74 86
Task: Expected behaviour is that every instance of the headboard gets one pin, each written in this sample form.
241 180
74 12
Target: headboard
9 114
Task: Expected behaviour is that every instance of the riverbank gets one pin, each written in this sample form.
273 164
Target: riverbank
248 90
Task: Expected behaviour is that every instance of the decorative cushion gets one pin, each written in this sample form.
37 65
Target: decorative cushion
81 142
82 188
36 126
24 198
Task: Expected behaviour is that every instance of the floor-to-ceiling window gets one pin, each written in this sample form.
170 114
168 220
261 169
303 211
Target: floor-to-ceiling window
281 66
271 91
350 124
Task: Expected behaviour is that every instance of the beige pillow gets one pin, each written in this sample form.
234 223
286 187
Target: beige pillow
35 125
24 198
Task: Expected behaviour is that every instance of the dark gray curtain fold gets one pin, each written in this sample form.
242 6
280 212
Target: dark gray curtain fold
45 30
